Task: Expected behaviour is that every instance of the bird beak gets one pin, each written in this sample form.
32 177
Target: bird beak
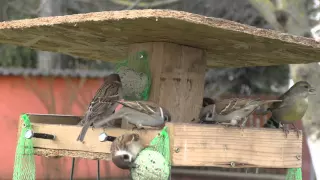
312 91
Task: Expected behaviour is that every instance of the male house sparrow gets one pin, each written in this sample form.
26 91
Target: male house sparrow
142 114
292 108
124 150
102 106
231 111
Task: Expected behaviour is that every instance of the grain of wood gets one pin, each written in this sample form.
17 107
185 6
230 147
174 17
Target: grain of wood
50 153
107 36
177 77
66 137
54 119
65 144
209 145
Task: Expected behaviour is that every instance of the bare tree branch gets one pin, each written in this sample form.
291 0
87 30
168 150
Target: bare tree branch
267 9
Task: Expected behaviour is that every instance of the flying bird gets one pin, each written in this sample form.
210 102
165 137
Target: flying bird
292 108
231 111
102 105
124 150
141 114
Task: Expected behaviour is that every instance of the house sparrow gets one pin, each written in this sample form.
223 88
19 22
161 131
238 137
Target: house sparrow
142 114
207 101
231 111
124 150
292 108
102 105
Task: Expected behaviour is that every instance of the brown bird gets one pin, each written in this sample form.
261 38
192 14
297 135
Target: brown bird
231 111
292 108
102 104
124 150
206 101
142 114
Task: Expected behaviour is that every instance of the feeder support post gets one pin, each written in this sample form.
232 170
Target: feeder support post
177 77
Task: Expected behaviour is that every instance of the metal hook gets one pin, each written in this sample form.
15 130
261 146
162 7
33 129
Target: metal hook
30 134
104 137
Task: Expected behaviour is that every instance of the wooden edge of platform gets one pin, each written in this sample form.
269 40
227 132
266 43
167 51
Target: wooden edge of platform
67 153
190 145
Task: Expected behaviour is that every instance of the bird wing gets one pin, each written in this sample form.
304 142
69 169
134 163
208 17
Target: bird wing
146 107
102 101
227 106
282 104
121 142
101 105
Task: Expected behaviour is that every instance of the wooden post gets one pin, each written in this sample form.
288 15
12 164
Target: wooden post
177 77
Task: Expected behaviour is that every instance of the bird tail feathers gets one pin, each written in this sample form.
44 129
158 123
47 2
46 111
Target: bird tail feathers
83 131
271 123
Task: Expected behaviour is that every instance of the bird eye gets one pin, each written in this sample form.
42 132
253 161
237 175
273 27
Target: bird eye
306 86
125 157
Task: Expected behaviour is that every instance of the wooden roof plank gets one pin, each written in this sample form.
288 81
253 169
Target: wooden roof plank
107 35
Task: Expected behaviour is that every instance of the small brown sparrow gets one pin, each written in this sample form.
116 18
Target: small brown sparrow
124 150
102 106
142 114
231 111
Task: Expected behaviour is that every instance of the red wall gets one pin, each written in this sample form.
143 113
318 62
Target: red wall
23 95
17 97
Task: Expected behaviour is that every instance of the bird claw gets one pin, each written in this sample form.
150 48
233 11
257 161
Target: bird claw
285 130
241 126
226 125
297 130
134 128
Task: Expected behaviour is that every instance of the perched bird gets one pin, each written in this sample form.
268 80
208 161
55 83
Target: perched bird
124 150
142 114
207 101
102 105
292 108
231 111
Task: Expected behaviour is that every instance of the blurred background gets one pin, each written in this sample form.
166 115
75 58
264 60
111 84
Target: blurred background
44 82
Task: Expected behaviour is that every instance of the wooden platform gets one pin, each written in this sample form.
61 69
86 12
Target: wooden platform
191 144
107 35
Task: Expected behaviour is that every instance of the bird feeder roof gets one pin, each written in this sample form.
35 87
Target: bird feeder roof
107 35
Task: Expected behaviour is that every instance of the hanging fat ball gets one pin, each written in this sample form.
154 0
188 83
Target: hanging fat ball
231 111
154 162
293 106
133 82
142 114
150 165
101 105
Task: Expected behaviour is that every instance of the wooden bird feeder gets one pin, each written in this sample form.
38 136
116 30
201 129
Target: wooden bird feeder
180 46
